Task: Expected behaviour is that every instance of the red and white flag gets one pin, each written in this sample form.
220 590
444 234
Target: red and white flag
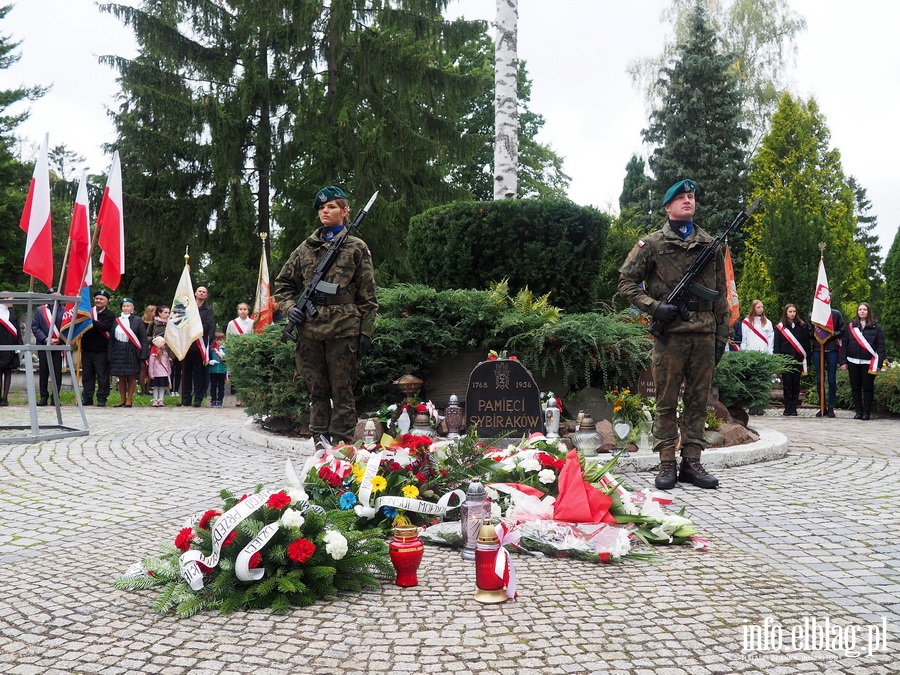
821 310
36 222
80 270
111 222
263 307
731 288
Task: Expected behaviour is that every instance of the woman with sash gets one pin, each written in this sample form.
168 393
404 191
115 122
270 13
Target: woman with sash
758 335
862 357
127 350
792 339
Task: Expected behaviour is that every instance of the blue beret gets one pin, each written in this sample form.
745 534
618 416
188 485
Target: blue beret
326 194
686 185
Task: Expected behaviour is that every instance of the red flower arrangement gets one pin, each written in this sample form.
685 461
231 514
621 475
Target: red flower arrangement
329 476
300 550
184 539
230 538
278 500
206 517
415 443
550 462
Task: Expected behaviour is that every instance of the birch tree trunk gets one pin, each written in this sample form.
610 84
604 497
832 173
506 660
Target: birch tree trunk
506 114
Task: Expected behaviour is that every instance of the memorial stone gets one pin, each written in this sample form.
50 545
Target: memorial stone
503 398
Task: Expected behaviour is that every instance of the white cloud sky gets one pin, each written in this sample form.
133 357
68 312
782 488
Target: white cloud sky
576 52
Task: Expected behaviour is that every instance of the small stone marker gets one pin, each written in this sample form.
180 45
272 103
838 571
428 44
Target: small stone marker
503 398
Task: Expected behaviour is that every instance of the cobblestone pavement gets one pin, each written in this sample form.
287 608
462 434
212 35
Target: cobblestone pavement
811 536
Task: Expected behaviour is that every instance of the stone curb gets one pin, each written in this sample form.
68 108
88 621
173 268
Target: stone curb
771 445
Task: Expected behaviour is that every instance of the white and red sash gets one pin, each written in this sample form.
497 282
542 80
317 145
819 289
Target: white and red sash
51 327
94 317
789 336
237 326
750 325
861 340
6 323
219 353
126 327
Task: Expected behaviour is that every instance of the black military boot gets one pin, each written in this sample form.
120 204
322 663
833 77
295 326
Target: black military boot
667 476
692 471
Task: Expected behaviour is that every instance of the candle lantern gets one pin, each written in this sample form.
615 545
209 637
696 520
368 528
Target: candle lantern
489 584
587 440
551 418
369 433
422 423
454 416
406 551
472 513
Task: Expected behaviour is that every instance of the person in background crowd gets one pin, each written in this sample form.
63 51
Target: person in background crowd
127 348
242 325
194 376
217 371
159 365
94 349
734 344
43 334
832 345
862 357
9 360
758 335
693 347
144 379
331 344
792 339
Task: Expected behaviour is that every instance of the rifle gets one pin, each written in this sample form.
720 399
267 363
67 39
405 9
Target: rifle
688 285
316 283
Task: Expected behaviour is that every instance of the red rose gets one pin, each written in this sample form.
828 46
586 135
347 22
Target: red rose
255 560
184 538
206 517
300 550
278 500
230 538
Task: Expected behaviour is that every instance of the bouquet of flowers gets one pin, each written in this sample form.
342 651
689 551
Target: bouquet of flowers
262 550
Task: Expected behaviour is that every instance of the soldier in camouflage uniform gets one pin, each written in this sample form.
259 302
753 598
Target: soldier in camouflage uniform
694 346
331 344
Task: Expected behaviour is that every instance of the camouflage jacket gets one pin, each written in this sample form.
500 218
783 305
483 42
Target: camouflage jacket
352 311
659 260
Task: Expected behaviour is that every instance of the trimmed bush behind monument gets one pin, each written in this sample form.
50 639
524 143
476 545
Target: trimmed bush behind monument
544 244
744 378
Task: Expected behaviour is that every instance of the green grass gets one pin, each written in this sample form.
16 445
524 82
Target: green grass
68 398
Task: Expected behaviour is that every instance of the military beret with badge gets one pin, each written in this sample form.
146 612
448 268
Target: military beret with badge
327 194
681 187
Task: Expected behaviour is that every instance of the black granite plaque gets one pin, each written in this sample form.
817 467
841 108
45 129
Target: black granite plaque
502 397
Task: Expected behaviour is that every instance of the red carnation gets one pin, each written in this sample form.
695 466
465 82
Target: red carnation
421 407
230 538
255 560
323 471
184 538
545 459
278 500
206 517
421 477
605 557
300 550
394 466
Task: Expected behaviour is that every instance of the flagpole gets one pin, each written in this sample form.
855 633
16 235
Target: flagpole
821 351
62 272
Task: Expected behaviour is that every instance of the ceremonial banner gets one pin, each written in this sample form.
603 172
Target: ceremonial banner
264 305
184 324
80 272
821 310
731 288
111 222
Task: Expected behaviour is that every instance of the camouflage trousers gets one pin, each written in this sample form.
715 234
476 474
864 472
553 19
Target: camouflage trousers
330 368
688 358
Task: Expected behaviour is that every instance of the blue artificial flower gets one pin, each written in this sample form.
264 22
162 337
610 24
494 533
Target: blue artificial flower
348 499
389 511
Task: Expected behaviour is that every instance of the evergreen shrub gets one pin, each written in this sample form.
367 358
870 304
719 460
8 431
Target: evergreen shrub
546 245
744 378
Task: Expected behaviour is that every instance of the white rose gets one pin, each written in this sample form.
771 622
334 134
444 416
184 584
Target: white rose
335 544
547 476
292 518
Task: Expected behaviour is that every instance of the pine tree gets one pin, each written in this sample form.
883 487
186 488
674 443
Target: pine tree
866 237
697 131
806 199
890 308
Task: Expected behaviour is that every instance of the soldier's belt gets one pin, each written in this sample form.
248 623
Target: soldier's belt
699 305
328 300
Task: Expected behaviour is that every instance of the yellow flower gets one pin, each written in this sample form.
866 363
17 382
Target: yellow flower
410 491
379 483
358 471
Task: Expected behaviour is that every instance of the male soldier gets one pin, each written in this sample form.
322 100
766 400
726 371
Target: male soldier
331 343
94 347
694 346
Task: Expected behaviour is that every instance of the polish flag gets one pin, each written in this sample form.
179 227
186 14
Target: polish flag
111 222
821 310
36 222
263 306
80 270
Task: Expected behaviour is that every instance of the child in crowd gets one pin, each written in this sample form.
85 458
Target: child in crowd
159 365
217 371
